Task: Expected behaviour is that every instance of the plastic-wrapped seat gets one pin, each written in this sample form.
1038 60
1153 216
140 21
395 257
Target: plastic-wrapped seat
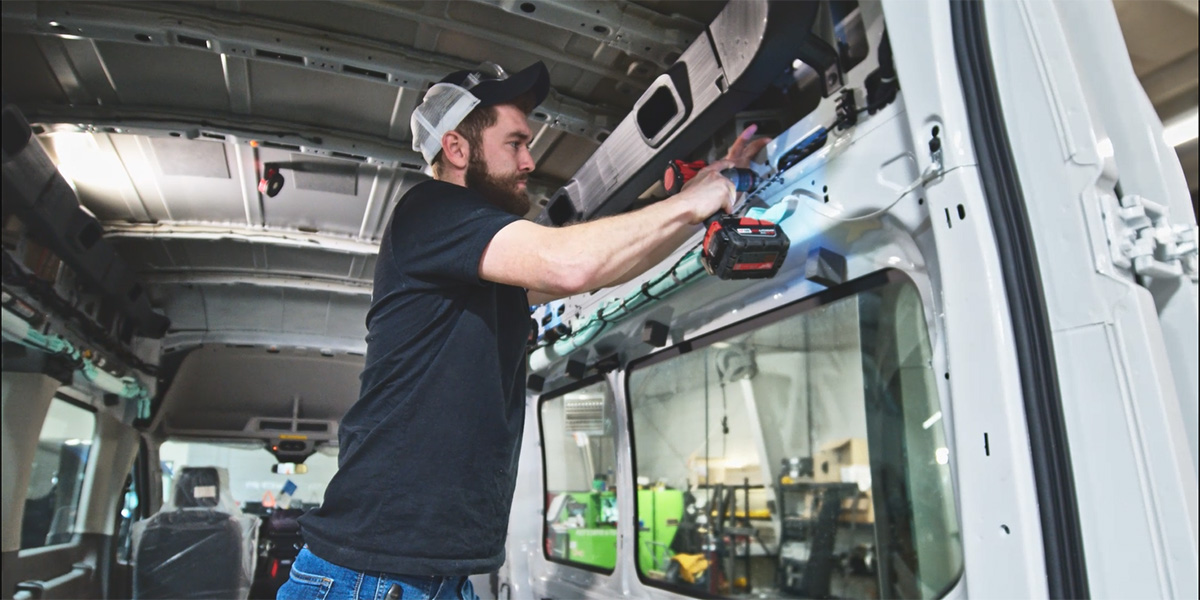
200 545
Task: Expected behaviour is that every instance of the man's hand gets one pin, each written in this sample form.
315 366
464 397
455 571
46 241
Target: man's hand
708 192
743 149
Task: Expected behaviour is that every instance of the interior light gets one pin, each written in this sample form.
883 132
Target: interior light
81 161
937 416
1182 129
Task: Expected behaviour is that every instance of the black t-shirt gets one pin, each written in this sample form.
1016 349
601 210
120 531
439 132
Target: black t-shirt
428 455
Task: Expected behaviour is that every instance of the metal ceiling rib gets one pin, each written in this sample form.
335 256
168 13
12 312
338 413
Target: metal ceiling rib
632 29
239 38
187 277
294 239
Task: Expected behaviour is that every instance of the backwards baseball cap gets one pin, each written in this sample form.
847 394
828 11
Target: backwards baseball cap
450 100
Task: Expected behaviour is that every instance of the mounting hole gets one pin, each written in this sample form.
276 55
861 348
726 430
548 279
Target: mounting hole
947 376
174 134
141 37
826 198
541 116
528 7
1005 529
936 131
600 137
920 201
824 188
962 212
601 29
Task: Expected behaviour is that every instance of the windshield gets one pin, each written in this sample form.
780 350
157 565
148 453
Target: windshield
253 486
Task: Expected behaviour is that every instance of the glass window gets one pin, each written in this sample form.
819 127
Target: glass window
253 484
132 509
580 460
808 451
56 479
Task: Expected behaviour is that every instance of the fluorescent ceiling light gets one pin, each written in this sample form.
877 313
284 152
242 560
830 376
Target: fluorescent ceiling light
1182 129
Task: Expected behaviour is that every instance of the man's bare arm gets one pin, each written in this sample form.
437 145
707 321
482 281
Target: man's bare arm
556 262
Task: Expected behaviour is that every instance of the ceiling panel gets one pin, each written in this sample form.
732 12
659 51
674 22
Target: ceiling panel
34 82
341 18
299 95
219 387
165 76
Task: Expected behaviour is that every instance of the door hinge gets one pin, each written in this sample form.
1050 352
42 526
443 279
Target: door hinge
1141 238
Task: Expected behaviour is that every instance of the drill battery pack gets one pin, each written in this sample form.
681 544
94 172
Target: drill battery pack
743 248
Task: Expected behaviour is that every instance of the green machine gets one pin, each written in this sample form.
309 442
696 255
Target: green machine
659 512
595 542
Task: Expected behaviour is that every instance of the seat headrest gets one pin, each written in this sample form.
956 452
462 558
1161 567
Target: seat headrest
197 487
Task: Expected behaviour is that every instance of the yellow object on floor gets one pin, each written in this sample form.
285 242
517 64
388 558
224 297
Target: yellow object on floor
691 566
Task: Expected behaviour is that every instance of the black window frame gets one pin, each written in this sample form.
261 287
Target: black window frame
542 399
75 535
854 287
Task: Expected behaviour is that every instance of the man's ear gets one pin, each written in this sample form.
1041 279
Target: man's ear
455 149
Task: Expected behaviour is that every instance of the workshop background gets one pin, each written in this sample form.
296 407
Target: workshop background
1162 37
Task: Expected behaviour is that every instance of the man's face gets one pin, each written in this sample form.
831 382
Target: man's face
499 168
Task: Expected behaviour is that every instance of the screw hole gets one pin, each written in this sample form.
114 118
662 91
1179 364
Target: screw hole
1005 529
825 188
920 201
962 212
600 29
947 376
141 37
528 7
936 131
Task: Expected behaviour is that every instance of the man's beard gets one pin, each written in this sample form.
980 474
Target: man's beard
501 191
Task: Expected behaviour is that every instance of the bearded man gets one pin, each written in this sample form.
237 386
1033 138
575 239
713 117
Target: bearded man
428 454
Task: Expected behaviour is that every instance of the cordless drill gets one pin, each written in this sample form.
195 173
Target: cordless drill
734 247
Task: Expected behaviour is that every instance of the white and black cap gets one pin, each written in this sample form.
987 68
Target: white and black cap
450 100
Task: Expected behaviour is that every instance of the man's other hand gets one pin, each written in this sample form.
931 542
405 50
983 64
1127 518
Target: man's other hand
743 149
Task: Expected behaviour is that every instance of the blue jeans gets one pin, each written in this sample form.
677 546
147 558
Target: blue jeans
314 578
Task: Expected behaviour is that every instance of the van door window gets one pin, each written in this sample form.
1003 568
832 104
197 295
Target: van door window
807 453
56 478
580 460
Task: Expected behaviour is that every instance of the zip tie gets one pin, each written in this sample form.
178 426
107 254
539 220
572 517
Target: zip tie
646 292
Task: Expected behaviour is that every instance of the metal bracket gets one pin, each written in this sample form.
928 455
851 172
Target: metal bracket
1142 238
